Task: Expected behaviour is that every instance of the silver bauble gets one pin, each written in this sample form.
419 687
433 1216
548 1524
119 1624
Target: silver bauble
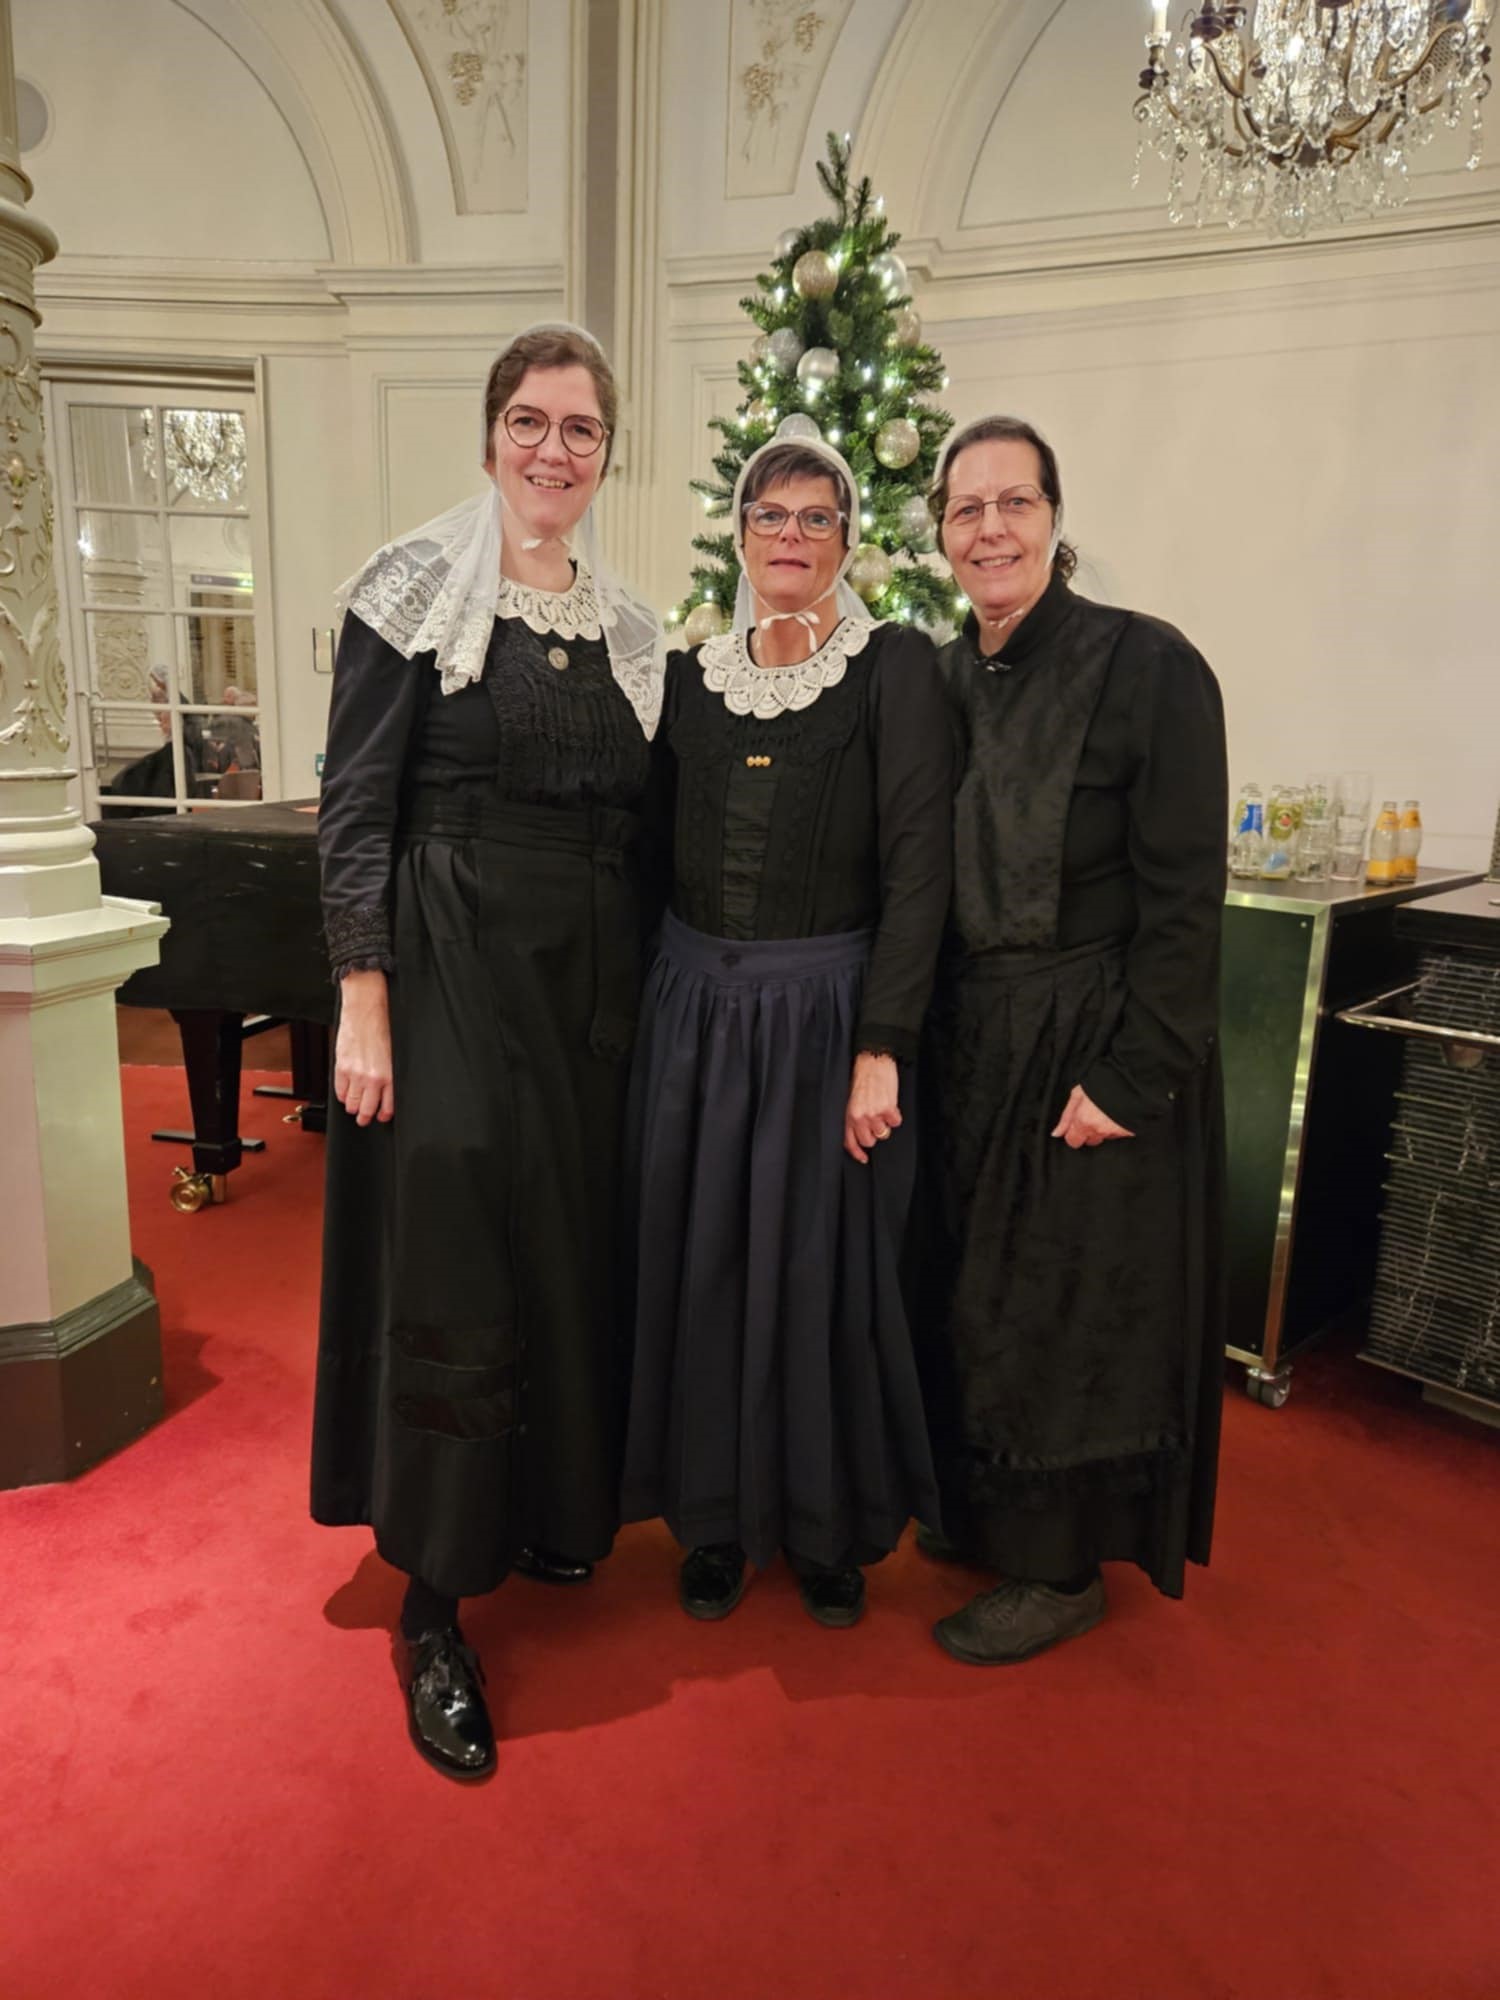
704 621
815 275
917 527
897 443
760 347
758 411
784 347
786 243
888 270
870 570
906 328
797 427
820 365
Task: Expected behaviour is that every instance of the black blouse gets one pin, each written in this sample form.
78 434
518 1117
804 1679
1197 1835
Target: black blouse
828 818
1142 837
545 724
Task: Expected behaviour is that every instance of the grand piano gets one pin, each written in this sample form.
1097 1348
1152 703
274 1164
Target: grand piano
245 953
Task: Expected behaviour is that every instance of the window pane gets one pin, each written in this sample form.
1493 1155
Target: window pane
203 457
211 561
121 557
128 656
223 754
113 456
218 656
132 751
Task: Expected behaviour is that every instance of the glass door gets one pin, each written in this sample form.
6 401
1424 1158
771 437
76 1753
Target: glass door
161 535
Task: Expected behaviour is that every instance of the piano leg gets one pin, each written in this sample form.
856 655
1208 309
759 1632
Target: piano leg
309 1089
211 1043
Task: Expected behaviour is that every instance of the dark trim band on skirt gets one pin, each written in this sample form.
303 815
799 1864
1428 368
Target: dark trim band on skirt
775 1398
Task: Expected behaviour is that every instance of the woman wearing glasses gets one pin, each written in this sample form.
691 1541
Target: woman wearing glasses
1080 1278
775 1402
488 754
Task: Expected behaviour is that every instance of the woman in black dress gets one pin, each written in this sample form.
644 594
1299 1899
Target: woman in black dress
775 1401
1078 1274
487 758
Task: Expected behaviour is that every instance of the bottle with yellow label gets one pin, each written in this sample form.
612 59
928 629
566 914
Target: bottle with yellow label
1384 841
1408 841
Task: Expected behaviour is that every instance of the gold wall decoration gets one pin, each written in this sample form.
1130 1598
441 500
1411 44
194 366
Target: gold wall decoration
779 51
475 60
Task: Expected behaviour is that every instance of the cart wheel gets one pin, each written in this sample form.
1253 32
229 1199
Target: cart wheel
1270 1386
190 1192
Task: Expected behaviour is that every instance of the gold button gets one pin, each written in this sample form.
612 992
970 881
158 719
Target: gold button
758 763
557 658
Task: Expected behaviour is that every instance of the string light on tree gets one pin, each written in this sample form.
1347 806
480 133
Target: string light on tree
842 339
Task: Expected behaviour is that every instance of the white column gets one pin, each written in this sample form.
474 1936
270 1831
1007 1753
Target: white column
79 1344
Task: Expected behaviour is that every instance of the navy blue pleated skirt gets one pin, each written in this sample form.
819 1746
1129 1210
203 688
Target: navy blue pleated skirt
774 1398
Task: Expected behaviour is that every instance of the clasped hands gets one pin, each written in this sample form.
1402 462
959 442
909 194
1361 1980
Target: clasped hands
1084 1124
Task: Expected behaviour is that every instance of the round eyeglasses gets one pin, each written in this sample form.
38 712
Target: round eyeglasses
818 524
581 436
1017 505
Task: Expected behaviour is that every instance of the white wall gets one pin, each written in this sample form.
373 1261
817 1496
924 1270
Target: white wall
1287 450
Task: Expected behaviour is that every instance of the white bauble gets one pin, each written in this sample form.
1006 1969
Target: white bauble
897 443
784 347
916 523
820 365
704 621
760 347
797 428
786 244
906 328
888 271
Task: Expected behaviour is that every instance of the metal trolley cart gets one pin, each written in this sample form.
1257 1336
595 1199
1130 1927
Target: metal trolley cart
1309 1101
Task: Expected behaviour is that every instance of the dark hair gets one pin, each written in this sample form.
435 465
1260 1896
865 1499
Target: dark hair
552 347
785 462
1018 430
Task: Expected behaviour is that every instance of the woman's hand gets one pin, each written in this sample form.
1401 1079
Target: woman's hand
873 1113
362 1080
1084 1124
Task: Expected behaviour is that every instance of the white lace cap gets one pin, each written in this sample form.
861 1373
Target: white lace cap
847 602
435 590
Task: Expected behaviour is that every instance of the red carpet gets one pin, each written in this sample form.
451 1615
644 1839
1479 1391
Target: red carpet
1282 1789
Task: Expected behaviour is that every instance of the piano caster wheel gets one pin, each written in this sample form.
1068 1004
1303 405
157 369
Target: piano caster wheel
190 1192
1269 1386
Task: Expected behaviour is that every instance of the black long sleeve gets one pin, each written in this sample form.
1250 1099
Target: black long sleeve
377 698
1176 811
915 772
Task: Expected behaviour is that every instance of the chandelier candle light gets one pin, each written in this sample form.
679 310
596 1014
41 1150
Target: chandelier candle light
1308 116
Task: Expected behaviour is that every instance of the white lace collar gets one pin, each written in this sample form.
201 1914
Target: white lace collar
568 614
766 692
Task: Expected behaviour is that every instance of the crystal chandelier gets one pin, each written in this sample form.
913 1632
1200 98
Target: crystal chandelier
205 453
1308 116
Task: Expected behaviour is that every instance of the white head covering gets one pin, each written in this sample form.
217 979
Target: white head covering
804 434
435 590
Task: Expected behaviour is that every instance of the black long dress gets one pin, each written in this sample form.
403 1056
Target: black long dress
775 1398
1078 1294
480 846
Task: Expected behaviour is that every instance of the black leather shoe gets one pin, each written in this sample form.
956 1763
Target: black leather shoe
445 1705
833 1596
713 1580
548 1568
1000 1627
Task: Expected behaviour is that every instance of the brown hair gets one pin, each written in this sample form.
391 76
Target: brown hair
552 347
1014 429
785 462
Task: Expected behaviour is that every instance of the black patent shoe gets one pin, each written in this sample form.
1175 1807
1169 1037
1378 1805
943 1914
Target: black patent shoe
445 1705
713 1580
833 1596
549 1568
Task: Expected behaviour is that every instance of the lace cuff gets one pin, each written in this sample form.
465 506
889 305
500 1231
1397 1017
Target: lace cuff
359 940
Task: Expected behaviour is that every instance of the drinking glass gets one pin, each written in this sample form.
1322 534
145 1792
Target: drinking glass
1349 846
1353 793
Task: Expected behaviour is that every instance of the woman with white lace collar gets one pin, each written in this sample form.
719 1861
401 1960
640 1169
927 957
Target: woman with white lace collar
488 756
775 1402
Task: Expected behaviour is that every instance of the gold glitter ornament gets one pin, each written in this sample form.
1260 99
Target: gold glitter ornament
897 443
815 275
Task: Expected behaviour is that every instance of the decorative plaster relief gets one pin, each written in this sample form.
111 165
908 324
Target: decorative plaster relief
33 685
473 55
779 51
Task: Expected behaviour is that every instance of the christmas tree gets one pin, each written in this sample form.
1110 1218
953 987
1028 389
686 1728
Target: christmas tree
840 348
